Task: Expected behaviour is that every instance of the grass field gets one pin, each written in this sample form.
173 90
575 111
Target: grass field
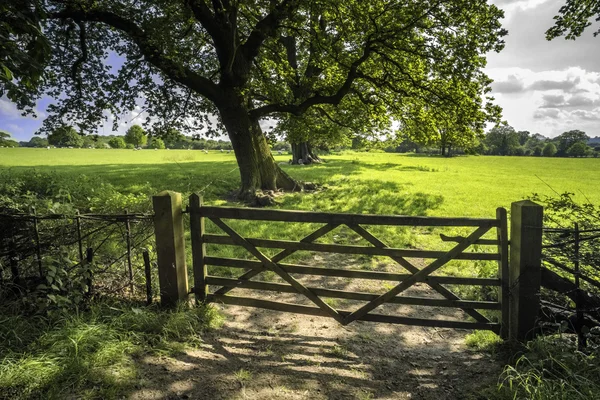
357 182
101 354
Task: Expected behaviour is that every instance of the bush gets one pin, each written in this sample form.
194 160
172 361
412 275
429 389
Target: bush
117 143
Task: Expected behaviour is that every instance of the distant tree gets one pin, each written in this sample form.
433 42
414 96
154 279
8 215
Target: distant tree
65 136
519 151
37 141
502 140
129 146
117 142
170 136
523 136
538 151
578 149
568 139
6 141
136 136
549 150
156 143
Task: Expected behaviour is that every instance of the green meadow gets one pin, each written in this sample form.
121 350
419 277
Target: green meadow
355 182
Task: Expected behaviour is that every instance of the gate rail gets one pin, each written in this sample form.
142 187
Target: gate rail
518 293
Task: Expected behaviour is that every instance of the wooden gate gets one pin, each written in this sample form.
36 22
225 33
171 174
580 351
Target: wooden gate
330 221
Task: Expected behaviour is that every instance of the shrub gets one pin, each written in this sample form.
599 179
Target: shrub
117 143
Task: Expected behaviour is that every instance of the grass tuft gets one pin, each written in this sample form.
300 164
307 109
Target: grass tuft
92 354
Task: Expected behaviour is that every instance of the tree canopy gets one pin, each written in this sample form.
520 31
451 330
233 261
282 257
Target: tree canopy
65 136
416 63
136 136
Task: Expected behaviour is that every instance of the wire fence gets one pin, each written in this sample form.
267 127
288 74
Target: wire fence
117 251
574 255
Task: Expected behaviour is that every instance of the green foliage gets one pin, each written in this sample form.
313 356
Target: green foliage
136 136
483 340
117 143
24 51
568 139
549 150
156 143
502 140
551 368
573 18
92 353
65 136
6 141
37 141
577 149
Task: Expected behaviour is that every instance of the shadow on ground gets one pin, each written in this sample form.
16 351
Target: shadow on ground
273 356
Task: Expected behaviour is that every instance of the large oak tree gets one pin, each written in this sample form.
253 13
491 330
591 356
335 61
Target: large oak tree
188 60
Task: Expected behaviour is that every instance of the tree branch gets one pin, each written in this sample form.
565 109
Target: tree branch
335 99
267 27
152 54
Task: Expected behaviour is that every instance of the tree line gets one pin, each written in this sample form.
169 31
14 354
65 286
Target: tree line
504 140
135 138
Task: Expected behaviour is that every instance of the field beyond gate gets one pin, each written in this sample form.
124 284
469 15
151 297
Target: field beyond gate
290 274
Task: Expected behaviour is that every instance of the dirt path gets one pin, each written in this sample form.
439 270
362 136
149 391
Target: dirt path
262 354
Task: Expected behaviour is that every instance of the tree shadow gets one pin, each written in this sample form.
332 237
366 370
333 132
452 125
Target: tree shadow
270 358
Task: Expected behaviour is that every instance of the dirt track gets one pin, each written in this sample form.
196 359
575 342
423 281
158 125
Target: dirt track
262 354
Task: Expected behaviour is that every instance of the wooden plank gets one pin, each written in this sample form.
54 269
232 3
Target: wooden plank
275 268
411 268
341 294
262 214
482 242
325 229
349 273
504 293
197 232
349 249
391 319
405 284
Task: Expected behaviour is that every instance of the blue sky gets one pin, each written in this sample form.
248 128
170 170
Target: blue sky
543 87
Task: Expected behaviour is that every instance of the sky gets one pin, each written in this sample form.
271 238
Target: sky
545 87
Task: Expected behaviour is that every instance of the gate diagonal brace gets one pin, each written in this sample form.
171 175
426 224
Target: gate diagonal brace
278 270
369 237
418 276
322 231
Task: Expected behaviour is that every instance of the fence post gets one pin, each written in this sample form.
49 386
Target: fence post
525 268
170 247
503 294
198 248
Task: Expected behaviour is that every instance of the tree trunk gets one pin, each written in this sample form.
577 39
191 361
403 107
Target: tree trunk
258 170
302 153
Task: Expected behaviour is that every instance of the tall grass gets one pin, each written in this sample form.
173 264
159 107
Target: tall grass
92 354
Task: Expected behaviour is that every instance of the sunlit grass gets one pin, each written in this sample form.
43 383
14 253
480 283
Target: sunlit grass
92 354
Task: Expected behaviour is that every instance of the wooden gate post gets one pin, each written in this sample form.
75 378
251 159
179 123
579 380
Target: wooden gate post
170 247
525 268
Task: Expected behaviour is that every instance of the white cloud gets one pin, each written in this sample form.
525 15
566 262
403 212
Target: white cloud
9 110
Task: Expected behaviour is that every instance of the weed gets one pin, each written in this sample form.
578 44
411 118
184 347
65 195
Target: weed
243 376
483 340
